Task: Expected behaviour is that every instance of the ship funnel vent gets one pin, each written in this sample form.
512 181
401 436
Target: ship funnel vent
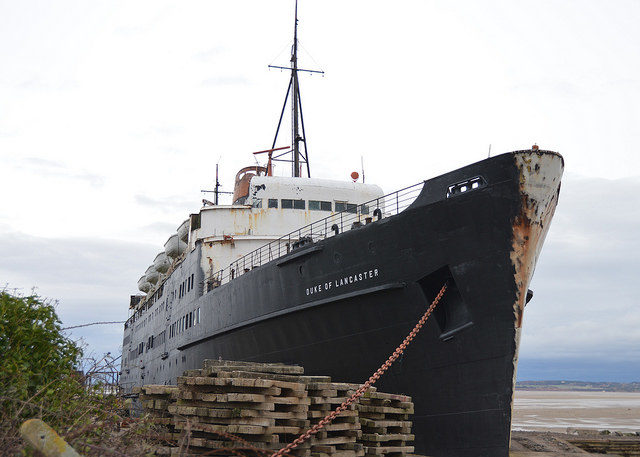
452 313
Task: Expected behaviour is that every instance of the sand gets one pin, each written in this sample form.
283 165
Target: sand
556 411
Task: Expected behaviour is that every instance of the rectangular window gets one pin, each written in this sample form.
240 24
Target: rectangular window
352 208
273 203
287 203
341 206
319 205
198 316
192 278
364 209
298 204
195 221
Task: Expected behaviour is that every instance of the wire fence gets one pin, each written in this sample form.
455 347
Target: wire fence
351 217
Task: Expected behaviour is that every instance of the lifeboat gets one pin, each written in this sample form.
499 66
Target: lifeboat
144 285
174 247
162 263
183 231
152 275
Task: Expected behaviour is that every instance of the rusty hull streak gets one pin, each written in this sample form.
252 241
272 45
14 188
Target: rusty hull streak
540 174
539 185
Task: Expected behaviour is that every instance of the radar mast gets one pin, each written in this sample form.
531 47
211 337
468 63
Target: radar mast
297 119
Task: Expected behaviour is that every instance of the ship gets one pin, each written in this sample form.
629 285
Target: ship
332 275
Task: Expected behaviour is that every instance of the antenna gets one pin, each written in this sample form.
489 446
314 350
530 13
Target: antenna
270 160
217 190
362 166
489 151
297 119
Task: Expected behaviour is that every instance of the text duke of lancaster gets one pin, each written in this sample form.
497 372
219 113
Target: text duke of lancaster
336 283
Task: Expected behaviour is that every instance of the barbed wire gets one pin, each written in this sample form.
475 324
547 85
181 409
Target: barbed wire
93 323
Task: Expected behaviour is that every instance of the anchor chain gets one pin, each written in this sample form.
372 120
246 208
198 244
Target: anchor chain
374 377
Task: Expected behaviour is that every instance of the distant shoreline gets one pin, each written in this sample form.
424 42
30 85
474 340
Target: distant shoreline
579 386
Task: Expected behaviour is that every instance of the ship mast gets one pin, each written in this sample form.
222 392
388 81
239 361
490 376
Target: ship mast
297 119
295 135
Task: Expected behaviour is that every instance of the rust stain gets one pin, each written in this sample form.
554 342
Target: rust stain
538 202
243 178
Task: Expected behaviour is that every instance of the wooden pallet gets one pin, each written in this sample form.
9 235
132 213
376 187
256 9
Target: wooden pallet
155 401
386 428
339 438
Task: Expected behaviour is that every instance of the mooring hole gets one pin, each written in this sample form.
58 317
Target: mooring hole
452 314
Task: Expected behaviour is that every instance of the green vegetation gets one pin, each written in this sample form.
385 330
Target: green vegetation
38 379
34 353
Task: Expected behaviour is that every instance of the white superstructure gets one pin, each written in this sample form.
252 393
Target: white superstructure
271 207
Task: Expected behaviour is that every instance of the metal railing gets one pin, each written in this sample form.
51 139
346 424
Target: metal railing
353 217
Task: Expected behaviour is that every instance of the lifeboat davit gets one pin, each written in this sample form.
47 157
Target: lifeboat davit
174 247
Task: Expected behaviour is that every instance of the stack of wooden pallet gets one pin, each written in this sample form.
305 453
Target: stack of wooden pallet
340 437
234 405
253 409
386 428
155 400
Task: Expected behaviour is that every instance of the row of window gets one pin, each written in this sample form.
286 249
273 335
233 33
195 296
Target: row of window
186 286
185 322
314 205
153 340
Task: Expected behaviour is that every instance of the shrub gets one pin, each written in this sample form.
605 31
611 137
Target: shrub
38 379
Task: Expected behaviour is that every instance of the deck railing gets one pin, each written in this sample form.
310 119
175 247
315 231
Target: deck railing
355 216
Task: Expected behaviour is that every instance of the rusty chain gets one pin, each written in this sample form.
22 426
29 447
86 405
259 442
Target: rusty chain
363 388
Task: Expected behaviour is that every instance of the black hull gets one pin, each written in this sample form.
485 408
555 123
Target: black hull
461 367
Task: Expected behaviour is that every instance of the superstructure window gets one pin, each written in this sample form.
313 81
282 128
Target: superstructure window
318 205
288 203
341 206
352 208
273 203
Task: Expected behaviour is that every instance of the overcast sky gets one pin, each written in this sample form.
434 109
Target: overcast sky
114 114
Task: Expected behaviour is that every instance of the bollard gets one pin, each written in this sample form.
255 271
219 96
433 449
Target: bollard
45 439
